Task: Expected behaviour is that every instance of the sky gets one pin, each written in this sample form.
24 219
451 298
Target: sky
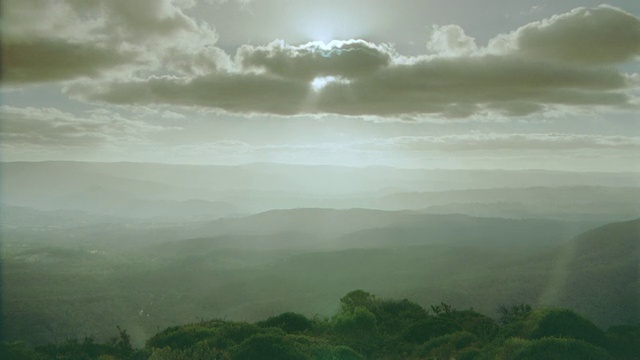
509 84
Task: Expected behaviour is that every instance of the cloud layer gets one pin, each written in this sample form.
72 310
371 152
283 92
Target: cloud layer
599 36
45 41
151 52
451 87
349 59
36 61
51 128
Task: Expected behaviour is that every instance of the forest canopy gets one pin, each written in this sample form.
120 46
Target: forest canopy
367 327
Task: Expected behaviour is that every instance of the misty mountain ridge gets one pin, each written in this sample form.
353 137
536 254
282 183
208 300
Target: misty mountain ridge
162 192
105 241
307 178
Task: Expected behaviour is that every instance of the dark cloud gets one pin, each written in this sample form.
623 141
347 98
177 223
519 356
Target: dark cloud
538 67
454 87
46 41
246 93
598 36
348 59
41 60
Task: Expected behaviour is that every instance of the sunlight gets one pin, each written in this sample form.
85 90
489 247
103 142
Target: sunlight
323 36
319 31
320 83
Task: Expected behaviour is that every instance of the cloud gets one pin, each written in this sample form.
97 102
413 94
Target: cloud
473 142
516 148
599 36
450 87
450 40
46 41
42 60
243 93
348 59
568 60
465 85
142 19
52 128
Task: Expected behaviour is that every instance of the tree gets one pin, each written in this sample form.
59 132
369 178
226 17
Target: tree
289 322
429 328
509 314
18 351
624 341
550 348
443 308
358 298
267 347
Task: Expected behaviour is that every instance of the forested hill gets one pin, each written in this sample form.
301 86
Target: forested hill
367 327
609 255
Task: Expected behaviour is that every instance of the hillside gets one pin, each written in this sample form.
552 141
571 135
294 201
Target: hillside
603 266
144 275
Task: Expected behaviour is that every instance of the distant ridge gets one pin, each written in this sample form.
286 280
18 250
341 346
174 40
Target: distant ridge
604 267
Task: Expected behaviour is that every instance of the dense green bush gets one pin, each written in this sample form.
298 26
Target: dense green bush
624 342
447 346
550 348
289 322
267 347
366 327
19 351
429 328
181 337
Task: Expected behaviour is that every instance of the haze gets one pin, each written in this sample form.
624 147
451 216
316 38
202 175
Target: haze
169 161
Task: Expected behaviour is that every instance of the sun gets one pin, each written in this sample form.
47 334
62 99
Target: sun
321 34
321 82
319 30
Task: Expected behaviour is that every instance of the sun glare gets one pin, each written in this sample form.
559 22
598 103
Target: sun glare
324 37
320 32
320 83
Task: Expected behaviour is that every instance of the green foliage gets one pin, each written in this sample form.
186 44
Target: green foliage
358 330
566 323
197 352
550 348
267 347
443 308
482 326
509 314
181 337
429 328
122 342
344 353
447 346
358 298
366 328
469 354
361 322
559 323
395 316
118 347
18 351
624 342
235 333
289 322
